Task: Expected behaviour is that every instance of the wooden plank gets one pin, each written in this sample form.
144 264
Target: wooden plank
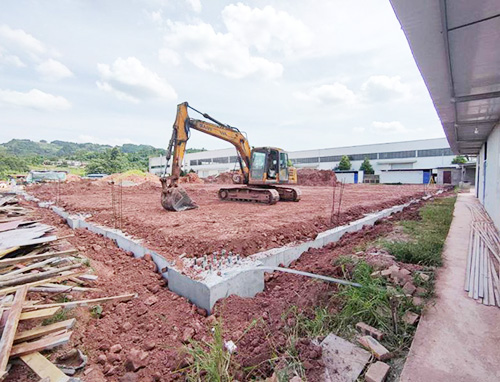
42 313
44 368
44 343
5 252
72 304
5 291
37 276
41 331
10 329
39 264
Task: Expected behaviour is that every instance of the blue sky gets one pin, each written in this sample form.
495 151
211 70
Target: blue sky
293 74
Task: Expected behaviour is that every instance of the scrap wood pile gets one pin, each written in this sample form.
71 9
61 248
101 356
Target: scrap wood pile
482 278
31 263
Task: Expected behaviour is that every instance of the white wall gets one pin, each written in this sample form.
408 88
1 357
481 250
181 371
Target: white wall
345 177
405 177
488 190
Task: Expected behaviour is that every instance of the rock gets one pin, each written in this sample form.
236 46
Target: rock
377 372
410 318
201 312
153 288
151 300
109 369
386 273
418 301
136 359
409 288
113 358
149 345
211 320
421 292
296 379
187 335
148 257
127 326
115 348
423 276
101 359
129 377
96 247
156 377
376 274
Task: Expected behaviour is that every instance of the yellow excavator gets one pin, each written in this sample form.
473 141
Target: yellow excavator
265 171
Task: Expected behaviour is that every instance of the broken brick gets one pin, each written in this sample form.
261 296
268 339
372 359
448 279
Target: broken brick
377 372
151 300
115 348
378 350
369 330
136 359
409 288
410 318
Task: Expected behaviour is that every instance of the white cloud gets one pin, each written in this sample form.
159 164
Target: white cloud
335 93
358 130
19 39
10 59
394 127
129 80
384 88
195 5
218 52
266 29
52 70
34 99
169 57
84 138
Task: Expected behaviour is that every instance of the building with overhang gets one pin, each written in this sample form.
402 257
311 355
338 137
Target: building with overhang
456 46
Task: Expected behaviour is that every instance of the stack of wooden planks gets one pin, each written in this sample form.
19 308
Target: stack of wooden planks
482 274
29 262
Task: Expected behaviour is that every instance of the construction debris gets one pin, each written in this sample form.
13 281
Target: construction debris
369 330
376 348
482 273
377 372
29 263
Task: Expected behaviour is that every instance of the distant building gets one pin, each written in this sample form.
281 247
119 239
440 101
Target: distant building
424 154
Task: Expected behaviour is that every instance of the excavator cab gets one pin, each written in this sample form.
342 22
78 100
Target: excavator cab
269 165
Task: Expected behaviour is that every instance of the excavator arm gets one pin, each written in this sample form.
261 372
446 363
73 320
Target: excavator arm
174 198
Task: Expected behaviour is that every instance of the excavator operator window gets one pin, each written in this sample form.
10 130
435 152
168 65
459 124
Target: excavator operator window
258 165
273 165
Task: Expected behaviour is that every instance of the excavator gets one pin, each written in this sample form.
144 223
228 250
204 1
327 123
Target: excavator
265 171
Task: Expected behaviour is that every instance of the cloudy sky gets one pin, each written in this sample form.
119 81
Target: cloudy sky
290 73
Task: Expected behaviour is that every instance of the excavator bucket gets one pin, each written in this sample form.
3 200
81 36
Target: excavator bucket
176 199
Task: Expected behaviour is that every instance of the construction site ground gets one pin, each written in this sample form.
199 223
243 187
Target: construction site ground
160 323
243 228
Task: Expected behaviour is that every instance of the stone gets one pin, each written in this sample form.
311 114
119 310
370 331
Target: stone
129 377
211 320
148 257
187 334
113 358
369 330
409 288
149 345
342 358
377 372
421 292
376 274
109 369
151 300
410 318
127 326
296 379
156 377
201 312
386 273
377 349
418 301
405 272
153 288
423 276
102 359
96 247
115 348
136 359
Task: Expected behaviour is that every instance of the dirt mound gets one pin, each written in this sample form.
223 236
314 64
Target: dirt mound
312 177
222 178
134 176
73 178
190 178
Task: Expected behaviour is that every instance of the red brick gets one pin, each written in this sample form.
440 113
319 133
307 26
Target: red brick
369 330
377 349
377 372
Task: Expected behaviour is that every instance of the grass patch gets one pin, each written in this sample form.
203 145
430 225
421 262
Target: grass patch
429 234
61 315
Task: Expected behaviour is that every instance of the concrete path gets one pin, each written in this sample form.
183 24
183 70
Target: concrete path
457 339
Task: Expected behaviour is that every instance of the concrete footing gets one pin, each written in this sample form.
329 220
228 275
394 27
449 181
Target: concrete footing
243 279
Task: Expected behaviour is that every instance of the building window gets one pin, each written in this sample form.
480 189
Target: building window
193 162
397 154
331 158
363 156
204 161
305 160
435 152
220 160
233 159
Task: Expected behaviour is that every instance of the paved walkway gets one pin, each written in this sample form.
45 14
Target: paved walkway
457 339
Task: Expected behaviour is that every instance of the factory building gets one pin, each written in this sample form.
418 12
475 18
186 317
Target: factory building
401 162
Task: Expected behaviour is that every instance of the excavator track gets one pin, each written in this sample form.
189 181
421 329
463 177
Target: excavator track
250 194
288 194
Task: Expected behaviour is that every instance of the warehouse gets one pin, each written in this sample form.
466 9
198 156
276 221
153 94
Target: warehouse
428 154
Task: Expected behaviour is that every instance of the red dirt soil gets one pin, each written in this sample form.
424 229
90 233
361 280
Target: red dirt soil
161 326
244 228
312 177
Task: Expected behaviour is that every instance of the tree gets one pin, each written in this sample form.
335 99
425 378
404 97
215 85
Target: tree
344 164
366 166
459 159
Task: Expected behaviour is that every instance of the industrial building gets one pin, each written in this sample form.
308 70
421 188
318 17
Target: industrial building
398 162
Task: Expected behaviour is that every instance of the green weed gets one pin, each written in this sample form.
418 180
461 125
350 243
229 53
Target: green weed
60 315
